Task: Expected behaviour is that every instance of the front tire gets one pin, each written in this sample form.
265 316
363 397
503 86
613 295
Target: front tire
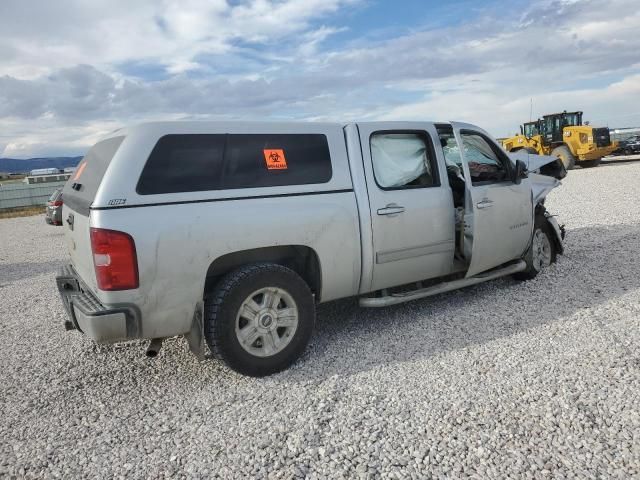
565 155
542 251
259 319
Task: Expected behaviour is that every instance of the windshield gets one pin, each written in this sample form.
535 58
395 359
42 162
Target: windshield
574 118
531 129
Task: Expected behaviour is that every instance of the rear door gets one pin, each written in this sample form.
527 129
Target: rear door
79 193
412 215
498 212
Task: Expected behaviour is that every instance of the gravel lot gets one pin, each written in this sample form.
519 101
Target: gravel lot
538 379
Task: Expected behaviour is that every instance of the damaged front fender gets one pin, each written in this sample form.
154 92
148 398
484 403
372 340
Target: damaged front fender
541 185
545 172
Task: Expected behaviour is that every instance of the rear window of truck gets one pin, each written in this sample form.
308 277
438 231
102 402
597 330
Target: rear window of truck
81 188
200 162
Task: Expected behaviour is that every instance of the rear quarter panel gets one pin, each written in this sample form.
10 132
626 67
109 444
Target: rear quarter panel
175 245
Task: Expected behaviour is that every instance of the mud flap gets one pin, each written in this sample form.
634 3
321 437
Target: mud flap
195 337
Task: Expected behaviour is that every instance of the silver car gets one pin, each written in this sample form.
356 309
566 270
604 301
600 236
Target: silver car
53 213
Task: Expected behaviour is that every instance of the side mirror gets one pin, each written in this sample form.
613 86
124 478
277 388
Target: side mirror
520 172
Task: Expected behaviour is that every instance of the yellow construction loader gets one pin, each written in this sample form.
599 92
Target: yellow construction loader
563 135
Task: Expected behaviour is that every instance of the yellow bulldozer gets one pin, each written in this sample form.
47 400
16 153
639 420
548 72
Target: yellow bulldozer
564 136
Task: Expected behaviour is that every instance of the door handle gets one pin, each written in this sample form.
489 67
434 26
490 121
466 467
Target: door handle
391 209
486 203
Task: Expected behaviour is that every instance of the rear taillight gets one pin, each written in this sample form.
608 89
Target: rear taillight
57 203
114 258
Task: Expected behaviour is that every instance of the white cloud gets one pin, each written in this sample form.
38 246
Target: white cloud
170 32
67 75
502 112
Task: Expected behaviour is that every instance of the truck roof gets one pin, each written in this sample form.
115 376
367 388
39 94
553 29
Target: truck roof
199 126
222 126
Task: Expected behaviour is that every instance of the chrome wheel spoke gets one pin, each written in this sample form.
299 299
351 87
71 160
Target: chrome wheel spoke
271 342
270 298
287 317
248 335
249 309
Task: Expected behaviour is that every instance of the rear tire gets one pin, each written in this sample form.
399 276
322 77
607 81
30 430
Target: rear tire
564 154
259 319
590 163
542 251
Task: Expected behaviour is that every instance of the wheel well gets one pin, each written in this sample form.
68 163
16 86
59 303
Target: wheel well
541 211
299 258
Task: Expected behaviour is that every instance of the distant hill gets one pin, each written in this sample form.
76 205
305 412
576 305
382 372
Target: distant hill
16 165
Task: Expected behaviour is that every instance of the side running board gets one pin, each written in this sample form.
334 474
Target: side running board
402 297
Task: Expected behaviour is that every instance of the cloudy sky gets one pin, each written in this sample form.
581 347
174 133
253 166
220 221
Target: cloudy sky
73 70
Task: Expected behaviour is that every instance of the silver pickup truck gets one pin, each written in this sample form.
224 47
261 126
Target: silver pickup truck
231 233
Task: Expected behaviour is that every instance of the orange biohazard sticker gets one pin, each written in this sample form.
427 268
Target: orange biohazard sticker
79 171
275 159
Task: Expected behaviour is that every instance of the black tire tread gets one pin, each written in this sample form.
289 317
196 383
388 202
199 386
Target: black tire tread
570 156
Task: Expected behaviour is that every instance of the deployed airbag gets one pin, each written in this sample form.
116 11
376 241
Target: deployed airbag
398 158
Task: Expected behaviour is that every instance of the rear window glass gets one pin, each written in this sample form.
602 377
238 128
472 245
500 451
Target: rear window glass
81 188
192 163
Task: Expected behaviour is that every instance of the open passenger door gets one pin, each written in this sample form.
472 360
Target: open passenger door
498 207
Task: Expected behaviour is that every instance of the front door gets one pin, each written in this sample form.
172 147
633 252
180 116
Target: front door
498 211
412 214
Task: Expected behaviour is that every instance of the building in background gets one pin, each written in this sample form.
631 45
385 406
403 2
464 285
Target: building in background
43 178
45 171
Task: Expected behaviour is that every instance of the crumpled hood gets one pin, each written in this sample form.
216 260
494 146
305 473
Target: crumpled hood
532 161
545 172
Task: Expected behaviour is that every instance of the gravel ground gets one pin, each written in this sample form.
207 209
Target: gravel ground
534 380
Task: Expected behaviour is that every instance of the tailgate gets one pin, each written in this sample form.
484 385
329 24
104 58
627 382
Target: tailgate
78 240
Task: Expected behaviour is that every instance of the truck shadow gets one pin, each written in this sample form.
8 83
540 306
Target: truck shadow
14 272
600 263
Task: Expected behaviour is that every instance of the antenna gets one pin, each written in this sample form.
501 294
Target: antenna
531 110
